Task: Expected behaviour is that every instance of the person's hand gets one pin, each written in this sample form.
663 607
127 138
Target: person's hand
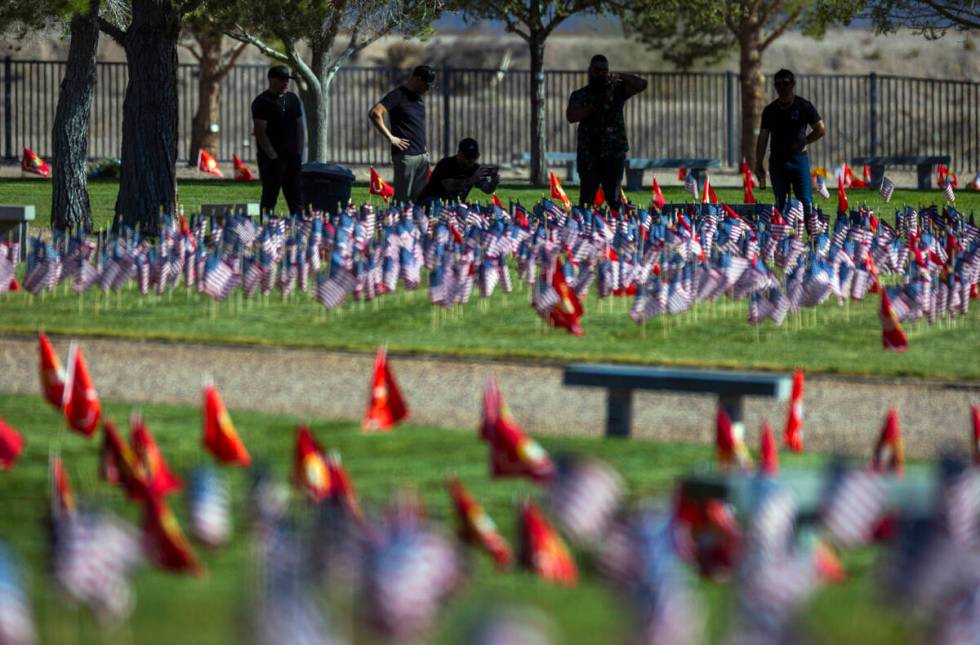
398 142
760 172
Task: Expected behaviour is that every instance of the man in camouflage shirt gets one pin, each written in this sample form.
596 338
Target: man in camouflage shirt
602 142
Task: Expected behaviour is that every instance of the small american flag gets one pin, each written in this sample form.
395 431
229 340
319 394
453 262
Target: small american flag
16 622
330 292
948 191
886 189
208 507
217 278
691 186
852 506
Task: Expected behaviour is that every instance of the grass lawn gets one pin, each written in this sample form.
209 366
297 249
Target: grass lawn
174 609
831 338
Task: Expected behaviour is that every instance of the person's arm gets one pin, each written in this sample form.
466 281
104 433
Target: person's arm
632 84
262 138
577 109
377 116
816 133
760 155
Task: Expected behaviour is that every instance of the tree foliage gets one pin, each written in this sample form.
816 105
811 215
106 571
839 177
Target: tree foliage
933 18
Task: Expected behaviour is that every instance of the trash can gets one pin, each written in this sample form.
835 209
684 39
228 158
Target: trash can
326 186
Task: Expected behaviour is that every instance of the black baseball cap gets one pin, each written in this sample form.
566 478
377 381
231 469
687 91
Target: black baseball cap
469 148
280 71
426 73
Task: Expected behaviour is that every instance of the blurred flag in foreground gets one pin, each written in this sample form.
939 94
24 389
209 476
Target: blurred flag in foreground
386 407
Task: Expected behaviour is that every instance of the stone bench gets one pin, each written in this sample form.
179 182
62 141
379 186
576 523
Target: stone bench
697 167
16 218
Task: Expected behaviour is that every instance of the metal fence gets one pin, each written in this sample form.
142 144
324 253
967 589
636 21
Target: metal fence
680 114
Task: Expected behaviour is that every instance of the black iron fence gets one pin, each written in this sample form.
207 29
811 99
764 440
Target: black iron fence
680 114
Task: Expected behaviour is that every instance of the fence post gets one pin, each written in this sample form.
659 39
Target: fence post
730 115
872 114
8 102
446 147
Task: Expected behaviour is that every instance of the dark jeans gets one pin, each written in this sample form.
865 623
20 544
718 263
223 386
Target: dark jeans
280 173
607 173
792 173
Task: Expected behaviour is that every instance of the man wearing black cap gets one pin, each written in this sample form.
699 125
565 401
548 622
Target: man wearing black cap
453 177
280 134
406 112
602 142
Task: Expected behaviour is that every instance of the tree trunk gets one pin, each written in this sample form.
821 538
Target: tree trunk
751 82
69 195
208 96
539 171
316 104
148 181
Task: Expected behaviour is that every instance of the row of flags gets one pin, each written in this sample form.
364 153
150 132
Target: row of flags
402 568
32 163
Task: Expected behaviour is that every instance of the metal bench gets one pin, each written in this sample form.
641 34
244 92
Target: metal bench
923 166
697 167
568 159
16 218
621 380
250 209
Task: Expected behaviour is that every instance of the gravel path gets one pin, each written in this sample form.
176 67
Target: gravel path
841 414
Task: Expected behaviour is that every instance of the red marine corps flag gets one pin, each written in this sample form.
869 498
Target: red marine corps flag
11 445
208 164
512 453
567 311
220 436
242 172
81 405
557 192
476 526
793 437
657 199
164 541
159 478
889 453
892 335
768 453
33 164
379 187
52 375
310 471
386 407
542 550
730 442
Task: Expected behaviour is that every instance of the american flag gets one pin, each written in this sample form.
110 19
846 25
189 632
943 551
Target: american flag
852 505
886 189
217 278
331 292
16 621
948 192
208 507
691 186
7 271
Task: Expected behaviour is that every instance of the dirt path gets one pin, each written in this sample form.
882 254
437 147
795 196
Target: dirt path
841 415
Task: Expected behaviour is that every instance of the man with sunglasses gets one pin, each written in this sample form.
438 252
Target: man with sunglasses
280 132
406 112
786 121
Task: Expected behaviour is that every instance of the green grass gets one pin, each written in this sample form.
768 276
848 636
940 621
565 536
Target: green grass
192 193
831 338
174 609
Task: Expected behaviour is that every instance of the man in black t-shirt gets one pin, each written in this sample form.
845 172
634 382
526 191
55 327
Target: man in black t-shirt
453 177
405 107
786 121
602 142
280 134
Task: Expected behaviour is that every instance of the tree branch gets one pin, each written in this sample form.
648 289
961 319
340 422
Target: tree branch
515 28
243 36
193 52
771 11
957 18
781 29
112 31
232 59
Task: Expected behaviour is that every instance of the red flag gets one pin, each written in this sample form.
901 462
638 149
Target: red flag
242 172
708 196
476 526
310 470
567 312
600 197
62 498
542 550
164 541
496 201
11 445
207 164
768 454
748 183
681 173
386 407
557 192
379 187
892 335
793 436
32 163
220 436
82 406
343 489
747 176
160 480
657 200
52 375
890 451
118 464
730 442
841 197
975 414
14 285
512 453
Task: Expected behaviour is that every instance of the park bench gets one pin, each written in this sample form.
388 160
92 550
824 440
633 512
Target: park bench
250 209
621 380
697 167
923 166
16 218
569 159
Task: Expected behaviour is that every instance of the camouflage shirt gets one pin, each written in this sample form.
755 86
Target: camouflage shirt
602 134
